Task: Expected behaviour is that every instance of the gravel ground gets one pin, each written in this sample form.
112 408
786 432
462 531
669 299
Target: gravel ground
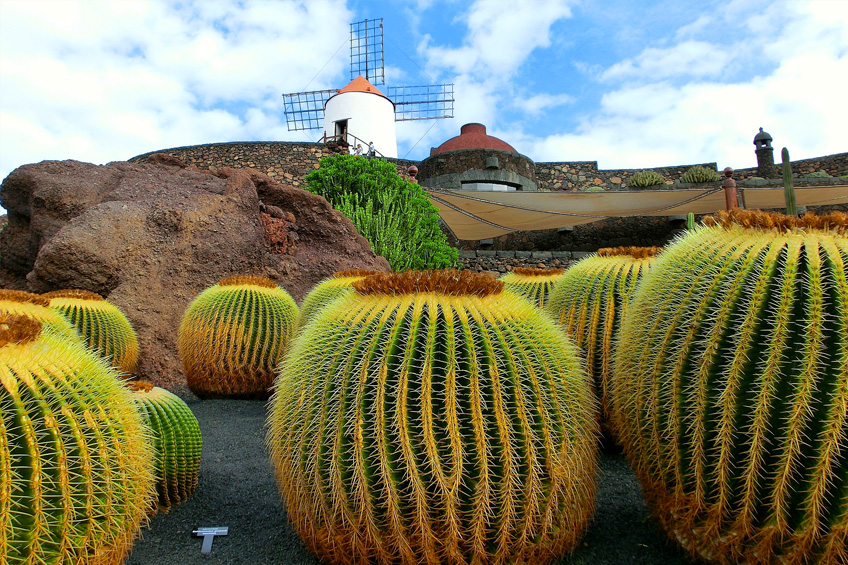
237 490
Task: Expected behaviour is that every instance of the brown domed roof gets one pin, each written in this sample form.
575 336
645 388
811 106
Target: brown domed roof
472 136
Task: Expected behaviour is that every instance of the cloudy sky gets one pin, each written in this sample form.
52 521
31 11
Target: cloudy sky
629 84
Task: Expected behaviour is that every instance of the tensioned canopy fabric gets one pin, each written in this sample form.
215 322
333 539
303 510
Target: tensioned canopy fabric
474 215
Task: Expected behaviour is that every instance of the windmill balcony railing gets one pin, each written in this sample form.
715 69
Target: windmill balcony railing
351 141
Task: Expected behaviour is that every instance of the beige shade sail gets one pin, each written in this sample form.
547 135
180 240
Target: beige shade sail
474 215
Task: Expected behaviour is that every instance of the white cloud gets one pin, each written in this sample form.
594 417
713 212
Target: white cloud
535 105
697 59
102 81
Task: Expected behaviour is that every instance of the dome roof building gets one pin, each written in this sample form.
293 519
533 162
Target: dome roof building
472 136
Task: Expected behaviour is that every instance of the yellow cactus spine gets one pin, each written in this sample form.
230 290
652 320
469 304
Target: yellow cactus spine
328 290
103 326
533 284
177 443
588 300
36 307
730 387
75 458
233 335
430 417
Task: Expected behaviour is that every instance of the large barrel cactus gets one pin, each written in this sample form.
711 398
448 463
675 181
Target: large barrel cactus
36 307
177 443
102 325
430 417
328 290
75 458
233 335
730 388
587 302
533 284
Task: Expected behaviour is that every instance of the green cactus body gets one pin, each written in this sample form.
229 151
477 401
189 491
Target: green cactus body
430 417
645 178
75 457
328 290
698 174
533 284
36 307
101 324
730 387
176 441
587 302
233 335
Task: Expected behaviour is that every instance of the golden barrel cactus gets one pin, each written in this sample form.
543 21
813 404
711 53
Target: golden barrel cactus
431 417
233 335
328 290
102 325
177 443
533 284
36 307
587 301
730 388
75 457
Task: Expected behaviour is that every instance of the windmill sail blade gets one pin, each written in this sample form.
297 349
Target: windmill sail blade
428 102
305 110
366 51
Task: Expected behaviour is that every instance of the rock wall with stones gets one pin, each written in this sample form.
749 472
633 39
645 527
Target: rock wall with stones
835 165
496 162
583 175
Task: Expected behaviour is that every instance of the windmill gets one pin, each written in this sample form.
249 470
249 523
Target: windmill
359 113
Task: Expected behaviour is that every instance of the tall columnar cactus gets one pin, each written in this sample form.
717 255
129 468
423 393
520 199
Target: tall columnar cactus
587 302
533 284
177 443
730 387
36 307
328 290
102 325
75 457
233 335
432 417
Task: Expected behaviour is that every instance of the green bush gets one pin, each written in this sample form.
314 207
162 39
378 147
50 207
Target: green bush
645 178
700 174
594 188
817 175
393 214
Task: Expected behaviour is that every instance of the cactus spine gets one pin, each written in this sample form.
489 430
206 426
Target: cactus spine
233 335
533 284
75 458
36 307
730 388
328 290
177 443
431 417
102 325
588 302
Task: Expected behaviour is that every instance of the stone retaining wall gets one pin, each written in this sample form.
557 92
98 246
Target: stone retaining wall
582 175
503 261
835 165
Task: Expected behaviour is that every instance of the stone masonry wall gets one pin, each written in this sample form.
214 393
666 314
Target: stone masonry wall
452 162
835 165
582 175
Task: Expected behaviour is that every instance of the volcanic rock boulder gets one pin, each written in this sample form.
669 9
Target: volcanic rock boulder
151 236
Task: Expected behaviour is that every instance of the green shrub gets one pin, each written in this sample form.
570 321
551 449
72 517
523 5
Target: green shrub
817 175
645 178
755 178
393 214
594 188
700 174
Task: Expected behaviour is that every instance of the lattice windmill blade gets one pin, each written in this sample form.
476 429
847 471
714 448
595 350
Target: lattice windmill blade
305 110
366 51
427 102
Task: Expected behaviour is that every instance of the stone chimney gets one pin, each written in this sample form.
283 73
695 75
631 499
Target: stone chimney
765 155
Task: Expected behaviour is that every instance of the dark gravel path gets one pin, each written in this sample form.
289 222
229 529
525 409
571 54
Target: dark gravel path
237 489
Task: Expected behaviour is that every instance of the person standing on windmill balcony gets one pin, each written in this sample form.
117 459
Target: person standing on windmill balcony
371 151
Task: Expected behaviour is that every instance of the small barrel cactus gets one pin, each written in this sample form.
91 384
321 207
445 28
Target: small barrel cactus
177 443
817 175
430 417
328 290
102 325
36 307
75 457
233 335
533 284
587 301
698 174
645 178
730 387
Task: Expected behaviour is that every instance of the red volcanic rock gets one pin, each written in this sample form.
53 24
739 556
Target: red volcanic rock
472 136
151 236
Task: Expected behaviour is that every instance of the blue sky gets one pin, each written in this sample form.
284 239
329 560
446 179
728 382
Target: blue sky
629 84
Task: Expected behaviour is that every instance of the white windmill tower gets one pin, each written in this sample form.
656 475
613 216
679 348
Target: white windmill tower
359 113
